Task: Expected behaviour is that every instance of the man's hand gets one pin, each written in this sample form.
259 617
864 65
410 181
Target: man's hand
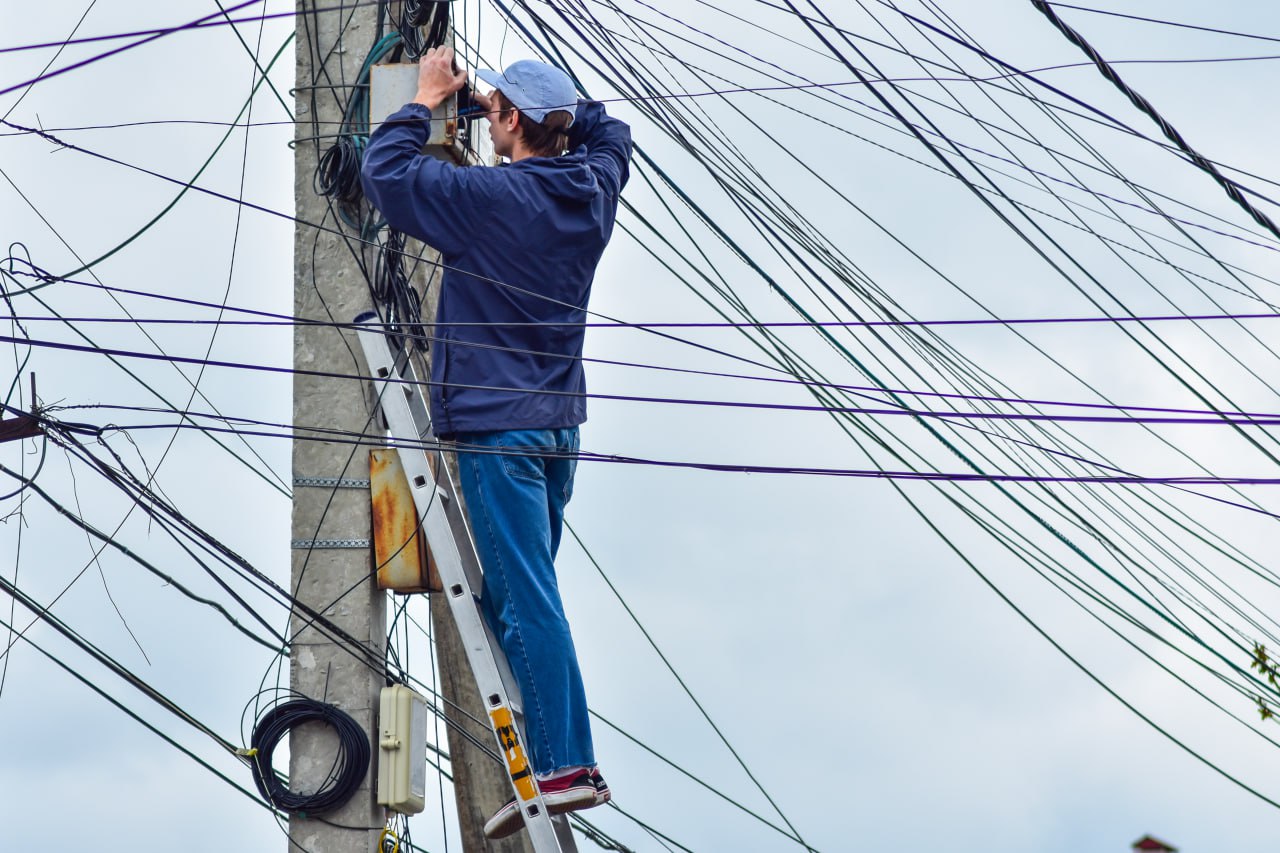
485 102
437 77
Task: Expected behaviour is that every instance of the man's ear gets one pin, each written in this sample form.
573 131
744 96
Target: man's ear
511 120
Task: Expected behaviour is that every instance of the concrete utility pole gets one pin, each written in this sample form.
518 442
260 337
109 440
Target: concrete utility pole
336 581
331 46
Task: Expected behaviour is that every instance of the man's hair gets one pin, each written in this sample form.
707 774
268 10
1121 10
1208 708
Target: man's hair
549 138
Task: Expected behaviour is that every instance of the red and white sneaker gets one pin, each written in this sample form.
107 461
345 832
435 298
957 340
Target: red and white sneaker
602 788
568 793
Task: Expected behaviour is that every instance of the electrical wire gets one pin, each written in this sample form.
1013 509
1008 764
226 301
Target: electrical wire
156 34
810 244
1214 417
1232 189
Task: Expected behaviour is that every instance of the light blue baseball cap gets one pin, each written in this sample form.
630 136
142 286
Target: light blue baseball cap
535 88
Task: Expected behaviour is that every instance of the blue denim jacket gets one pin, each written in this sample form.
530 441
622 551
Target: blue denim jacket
520 244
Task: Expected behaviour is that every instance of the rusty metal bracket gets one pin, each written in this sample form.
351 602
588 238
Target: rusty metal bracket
404 561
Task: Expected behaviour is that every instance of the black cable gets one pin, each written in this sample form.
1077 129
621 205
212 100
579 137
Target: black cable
345 775
338 174
1107 120
416 13
395 294
1233 190
167 579
769 282
1162 22
423 24
410 32
439 28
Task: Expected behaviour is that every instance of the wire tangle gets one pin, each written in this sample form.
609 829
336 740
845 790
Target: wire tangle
990 465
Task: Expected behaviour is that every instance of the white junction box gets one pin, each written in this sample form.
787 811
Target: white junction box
459 139
402 750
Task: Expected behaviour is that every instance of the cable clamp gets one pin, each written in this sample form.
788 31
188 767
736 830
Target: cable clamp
326 544
247 753
331 482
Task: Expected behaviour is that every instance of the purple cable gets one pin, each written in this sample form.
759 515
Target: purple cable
1210 416
156 34
201 24
1245 419
639 324
723 467
936 475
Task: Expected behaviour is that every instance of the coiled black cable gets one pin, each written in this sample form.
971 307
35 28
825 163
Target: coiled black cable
419 13
349 765
338 173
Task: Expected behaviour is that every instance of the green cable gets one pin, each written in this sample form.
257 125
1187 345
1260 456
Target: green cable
184 190
89 265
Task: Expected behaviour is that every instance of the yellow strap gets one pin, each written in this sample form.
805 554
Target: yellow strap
387 833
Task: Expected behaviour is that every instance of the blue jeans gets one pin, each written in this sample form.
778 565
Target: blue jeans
516 487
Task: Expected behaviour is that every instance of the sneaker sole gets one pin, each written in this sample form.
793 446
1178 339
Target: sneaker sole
572 800
510 819
507 821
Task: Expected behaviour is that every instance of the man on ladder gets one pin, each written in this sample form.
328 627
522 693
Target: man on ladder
520 244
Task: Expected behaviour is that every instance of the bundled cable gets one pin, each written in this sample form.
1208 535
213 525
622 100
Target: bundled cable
338 172
1234 191
423 24
394 293
345 775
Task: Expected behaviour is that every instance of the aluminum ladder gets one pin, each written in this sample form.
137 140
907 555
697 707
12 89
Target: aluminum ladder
399 395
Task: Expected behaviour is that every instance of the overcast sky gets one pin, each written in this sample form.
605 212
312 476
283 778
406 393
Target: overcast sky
881 691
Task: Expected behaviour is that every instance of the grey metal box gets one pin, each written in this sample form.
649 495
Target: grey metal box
394 85
466 142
